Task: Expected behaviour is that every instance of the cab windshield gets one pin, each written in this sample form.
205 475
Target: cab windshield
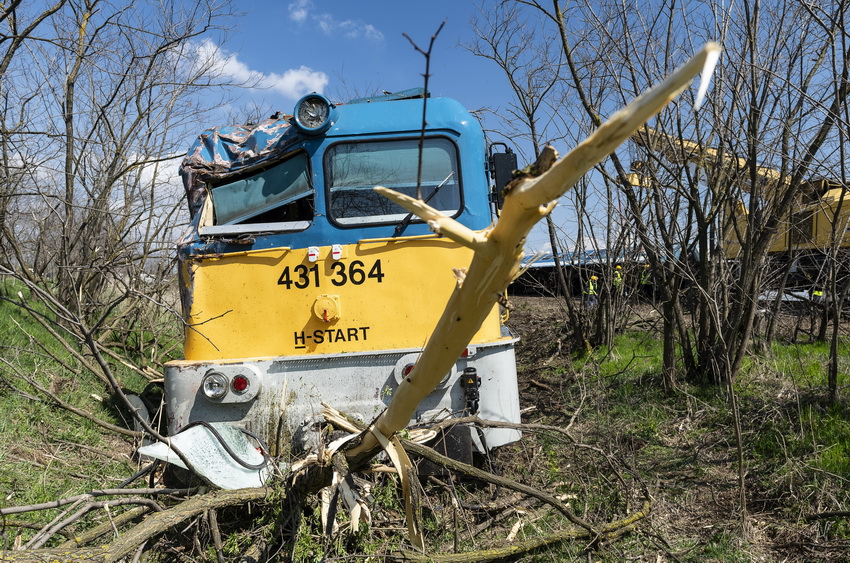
279 193
355 168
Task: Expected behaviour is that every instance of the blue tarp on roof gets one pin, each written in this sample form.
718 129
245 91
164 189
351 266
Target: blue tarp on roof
229 148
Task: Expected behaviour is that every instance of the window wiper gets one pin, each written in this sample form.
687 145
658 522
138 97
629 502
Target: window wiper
402 225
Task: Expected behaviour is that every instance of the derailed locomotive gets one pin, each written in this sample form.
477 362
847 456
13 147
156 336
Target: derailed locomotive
300 285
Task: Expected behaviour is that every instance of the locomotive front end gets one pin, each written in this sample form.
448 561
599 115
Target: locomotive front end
301 286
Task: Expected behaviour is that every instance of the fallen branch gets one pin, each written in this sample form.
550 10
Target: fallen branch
460 467
13 524
71 408
530 427
152 526
541 385
826 515
352 424
88 496
212 522
104 528
608 532
47 532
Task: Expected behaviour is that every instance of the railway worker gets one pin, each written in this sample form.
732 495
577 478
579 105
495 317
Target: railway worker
618 278
817 295
590 291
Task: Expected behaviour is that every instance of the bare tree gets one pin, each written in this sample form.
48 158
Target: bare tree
726 178
511 38
13 162
774 107
93 107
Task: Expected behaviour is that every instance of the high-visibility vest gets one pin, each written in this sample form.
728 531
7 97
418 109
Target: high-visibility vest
591 288
618 278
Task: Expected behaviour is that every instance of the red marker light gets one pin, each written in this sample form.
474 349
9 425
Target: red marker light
407 369
239 383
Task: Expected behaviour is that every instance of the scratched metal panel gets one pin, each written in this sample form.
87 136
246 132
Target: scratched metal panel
291 391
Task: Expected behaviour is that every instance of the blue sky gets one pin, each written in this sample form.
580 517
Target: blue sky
350 48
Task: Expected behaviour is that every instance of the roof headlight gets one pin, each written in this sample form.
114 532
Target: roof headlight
314 114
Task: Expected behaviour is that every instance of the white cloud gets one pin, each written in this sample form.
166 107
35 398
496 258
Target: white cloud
292 83
296 82
298 10
372 32
301 10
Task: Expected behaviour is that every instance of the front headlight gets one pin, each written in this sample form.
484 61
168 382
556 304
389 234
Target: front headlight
314 114
214 385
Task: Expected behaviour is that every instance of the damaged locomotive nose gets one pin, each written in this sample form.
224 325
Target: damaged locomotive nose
301 285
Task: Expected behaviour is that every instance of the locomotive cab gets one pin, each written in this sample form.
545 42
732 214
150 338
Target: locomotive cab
301 285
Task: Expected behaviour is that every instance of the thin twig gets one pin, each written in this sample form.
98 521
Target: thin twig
825 515
91 495
212 518
427 55
69 407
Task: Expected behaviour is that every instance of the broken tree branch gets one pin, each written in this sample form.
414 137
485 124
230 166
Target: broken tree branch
69 407
89 496
150 527
352 424
104 528
608 532
499 251
460 467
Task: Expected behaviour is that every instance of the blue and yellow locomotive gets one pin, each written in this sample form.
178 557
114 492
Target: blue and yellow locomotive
301 285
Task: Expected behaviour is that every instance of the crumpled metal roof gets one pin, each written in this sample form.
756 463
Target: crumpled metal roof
227 149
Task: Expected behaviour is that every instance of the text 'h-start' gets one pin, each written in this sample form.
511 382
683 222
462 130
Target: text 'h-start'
320 336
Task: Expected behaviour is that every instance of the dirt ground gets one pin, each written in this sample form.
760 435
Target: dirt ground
680 452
